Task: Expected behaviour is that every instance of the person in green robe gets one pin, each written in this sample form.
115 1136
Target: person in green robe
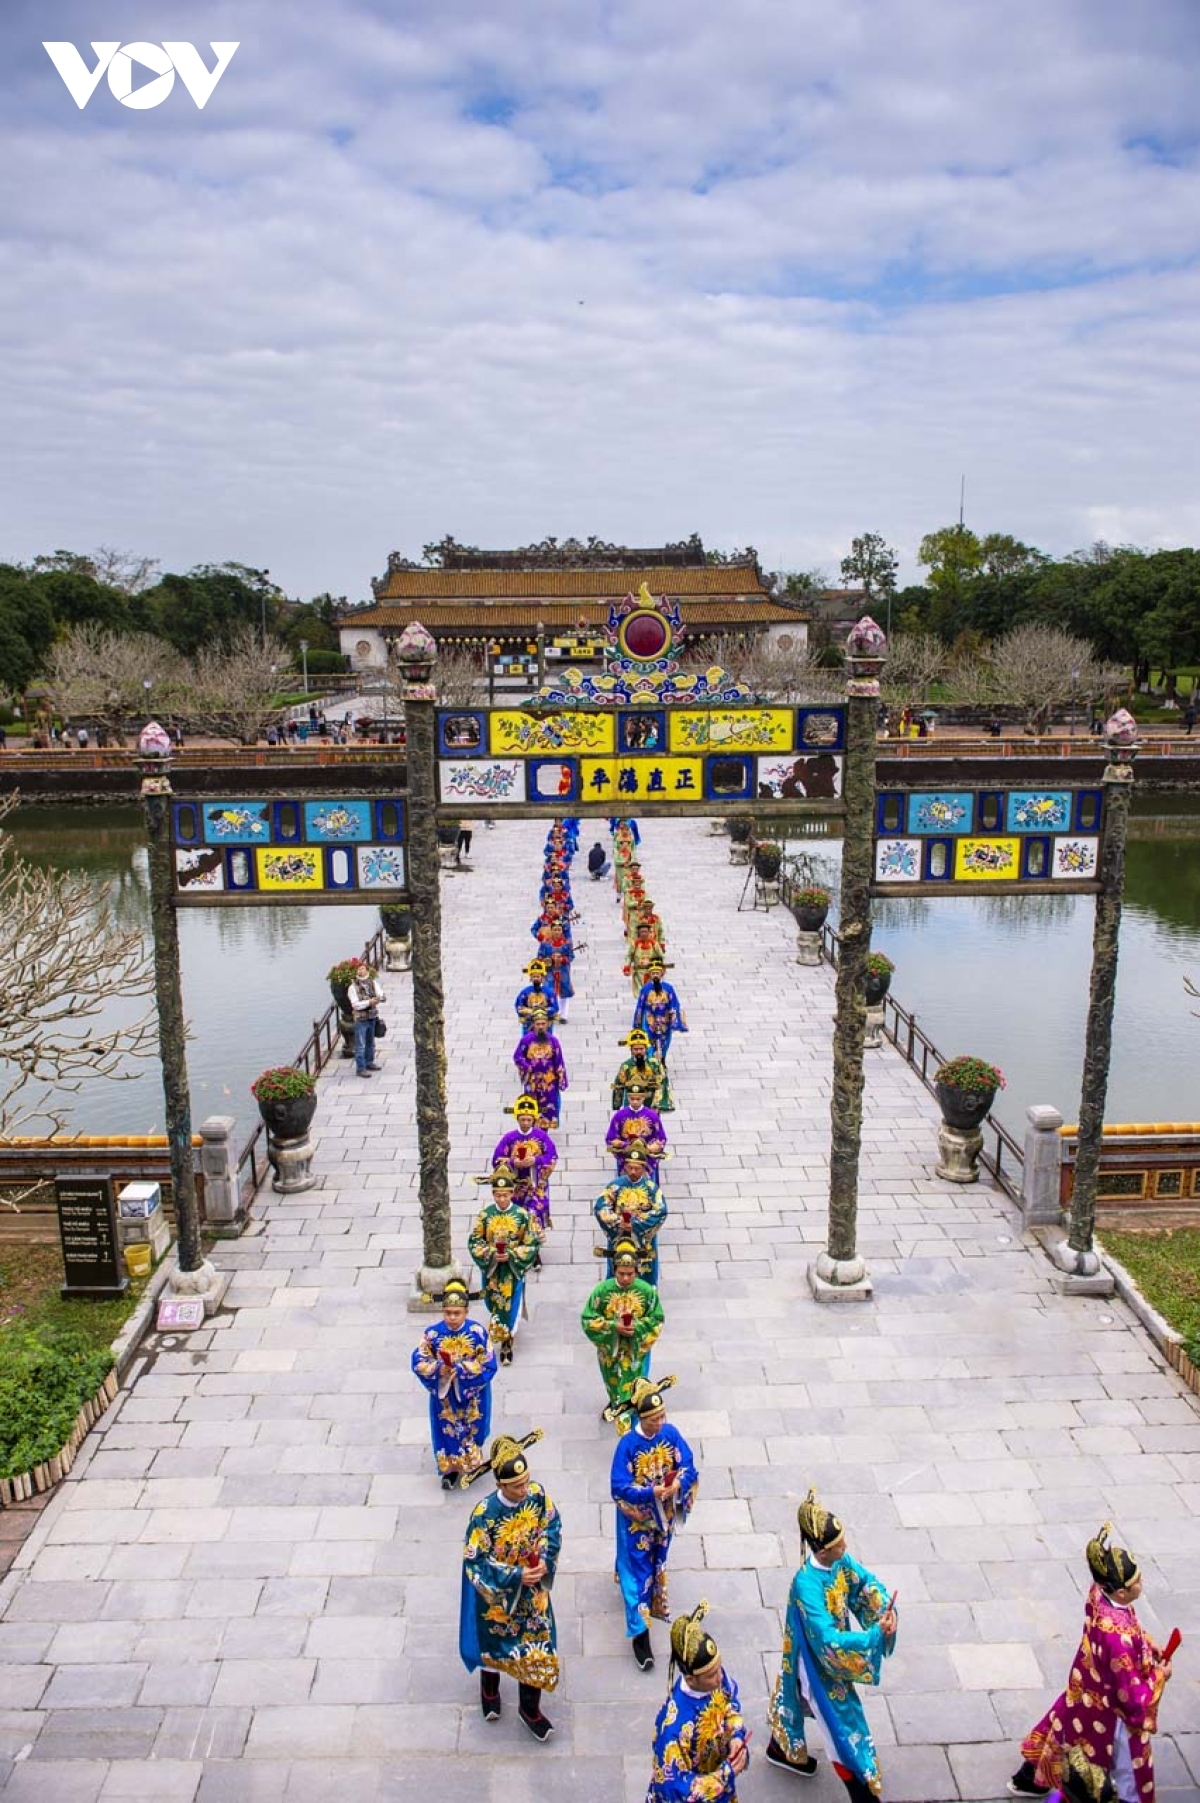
622 1318
645 1070
504 1243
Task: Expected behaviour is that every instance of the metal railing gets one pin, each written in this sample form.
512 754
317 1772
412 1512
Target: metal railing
1002 1155
312 1057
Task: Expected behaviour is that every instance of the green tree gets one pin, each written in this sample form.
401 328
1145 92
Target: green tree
212 603
26 629
873 564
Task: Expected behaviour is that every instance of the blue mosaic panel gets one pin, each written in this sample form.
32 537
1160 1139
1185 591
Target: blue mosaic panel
237 822
336 822
941 811
1038 811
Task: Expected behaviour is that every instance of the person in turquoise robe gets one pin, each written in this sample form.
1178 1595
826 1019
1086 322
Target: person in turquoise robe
633 1208
510 1557
456 1364
653 1483
701 1743
825 1656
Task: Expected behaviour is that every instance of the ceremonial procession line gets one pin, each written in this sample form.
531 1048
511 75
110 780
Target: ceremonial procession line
254 1578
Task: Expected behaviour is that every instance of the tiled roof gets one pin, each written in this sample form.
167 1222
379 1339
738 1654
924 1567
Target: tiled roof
490 617
466 585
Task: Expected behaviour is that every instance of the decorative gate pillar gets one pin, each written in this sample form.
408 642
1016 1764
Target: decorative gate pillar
839 1274
416 654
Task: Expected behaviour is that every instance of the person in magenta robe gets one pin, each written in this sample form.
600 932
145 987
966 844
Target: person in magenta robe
1109 1710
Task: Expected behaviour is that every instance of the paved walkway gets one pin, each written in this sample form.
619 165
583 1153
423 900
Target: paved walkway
252 1579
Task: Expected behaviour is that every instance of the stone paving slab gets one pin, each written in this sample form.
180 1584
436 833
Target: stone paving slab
251 1577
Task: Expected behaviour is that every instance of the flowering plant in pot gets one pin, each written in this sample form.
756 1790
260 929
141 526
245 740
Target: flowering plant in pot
287 1100
810 906
339 978
768 856
879 977
966 1088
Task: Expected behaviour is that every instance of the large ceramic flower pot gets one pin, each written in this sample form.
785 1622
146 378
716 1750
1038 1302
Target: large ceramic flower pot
766 863
963 1108
877 986
289 1119
811 919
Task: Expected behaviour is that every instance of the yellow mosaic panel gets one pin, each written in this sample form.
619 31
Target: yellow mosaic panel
289 867
515 734
731 728
987 860
641 779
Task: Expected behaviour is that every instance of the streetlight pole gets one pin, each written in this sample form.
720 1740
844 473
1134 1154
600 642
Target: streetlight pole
416 654
840 1274
304 661
262 597
1074 691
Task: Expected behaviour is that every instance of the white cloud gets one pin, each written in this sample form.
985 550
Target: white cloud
828 259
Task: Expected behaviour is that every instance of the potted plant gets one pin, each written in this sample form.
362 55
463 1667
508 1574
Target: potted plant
339 979
966 1088
879 977
740 828
396 922
768 856
287 1100
810 906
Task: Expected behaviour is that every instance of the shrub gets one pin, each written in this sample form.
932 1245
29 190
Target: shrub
813 897
974 1076
327 663
879 966
283 1083
46 1376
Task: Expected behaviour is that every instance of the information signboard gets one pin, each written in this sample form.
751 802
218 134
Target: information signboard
346 849
87 1226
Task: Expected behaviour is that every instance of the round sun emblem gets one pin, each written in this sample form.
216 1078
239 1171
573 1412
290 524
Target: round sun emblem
644 635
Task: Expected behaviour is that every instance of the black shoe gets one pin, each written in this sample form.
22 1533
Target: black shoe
506 1356
449 1481
374 1067
489 1695
1024 1784
777 1757
540 1726
643 1652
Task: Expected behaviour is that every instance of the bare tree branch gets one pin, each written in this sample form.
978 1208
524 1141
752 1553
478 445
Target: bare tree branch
775 672
61 964
95 674
233 686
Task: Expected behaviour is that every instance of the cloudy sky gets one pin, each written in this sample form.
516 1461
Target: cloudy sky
776 271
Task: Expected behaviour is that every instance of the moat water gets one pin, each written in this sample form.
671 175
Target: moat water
1005 978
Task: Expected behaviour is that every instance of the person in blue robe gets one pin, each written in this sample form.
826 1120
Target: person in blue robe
633 1208
510 1557
657 1010
701 1743
456 1364
825 1656
653 1483
538 995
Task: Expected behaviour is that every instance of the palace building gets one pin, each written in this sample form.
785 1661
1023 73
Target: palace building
552 600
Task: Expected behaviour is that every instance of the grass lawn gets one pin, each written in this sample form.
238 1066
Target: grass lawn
54 1355
1166 1268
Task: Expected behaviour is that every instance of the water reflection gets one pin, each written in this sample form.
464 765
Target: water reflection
253 978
